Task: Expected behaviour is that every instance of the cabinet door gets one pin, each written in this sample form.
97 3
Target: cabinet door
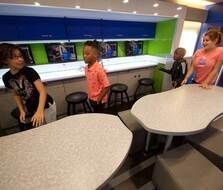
7 104
127 29
131 77
115 29
8 31
41 28
56 90
83 28
143 30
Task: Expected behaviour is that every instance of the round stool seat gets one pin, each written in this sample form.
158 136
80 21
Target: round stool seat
27 124
142 83
119 87
116 90
146 81
76 97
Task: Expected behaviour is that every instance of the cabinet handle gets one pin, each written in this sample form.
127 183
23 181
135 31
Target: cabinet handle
119 35
145 35
87 35
45 35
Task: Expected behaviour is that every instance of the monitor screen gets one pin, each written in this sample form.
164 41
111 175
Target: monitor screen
58 53
133 48
27 53
109 49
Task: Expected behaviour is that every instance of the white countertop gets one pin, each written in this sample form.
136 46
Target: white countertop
182 111
60 71
78 152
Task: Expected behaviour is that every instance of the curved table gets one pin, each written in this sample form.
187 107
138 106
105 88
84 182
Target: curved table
182 111
77 152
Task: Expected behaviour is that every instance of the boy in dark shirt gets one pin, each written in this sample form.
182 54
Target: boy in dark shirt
29 92
179 67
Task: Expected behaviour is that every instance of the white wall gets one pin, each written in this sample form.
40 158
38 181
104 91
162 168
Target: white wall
189 36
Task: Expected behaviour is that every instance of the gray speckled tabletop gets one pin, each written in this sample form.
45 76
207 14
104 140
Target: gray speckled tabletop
75 153
181 111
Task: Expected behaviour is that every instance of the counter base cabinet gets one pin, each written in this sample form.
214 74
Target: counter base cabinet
75 85
60 89
131 78
7 104
113 78
56 90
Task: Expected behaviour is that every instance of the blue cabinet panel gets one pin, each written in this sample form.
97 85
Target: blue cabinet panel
41 28
83 28
215 13
127 29
8 28
24 28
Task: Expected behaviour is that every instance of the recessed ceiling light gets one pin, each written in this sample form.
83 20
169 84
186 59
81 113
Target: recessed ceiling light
125 1
109 10
179 8
195 3
155 14
134 12
156 5
37 3
77 6
176 16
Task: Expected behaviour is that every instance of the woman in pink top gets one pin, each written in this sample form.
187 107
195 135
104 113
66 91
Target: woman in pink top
97 80
207 61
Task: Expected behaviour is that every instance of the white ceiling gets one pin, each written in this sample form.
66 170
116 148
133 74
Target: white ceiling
94 9
200 4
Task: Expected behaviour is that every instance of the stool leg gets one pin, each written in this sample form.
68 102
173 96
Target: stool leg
127 96
122 98
116 98
21 125
74 110
85 110
135 95
68 109
89 107
109 99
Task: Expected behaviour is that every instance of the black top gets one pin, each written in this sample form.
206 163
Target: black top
177 73
23 83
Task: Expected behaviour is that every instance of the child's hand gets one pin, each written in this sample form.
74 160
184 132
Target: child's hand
184 82
38 118
22 116
204 85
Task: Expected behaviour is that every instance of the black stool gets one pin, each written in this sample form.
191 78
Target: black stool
23 126
77 98
143 82
116 89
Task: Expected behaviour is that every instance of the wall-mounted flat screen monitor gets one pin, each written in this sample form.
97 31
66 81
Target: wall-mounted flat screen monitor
109 49
27 53
133 48
58 53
